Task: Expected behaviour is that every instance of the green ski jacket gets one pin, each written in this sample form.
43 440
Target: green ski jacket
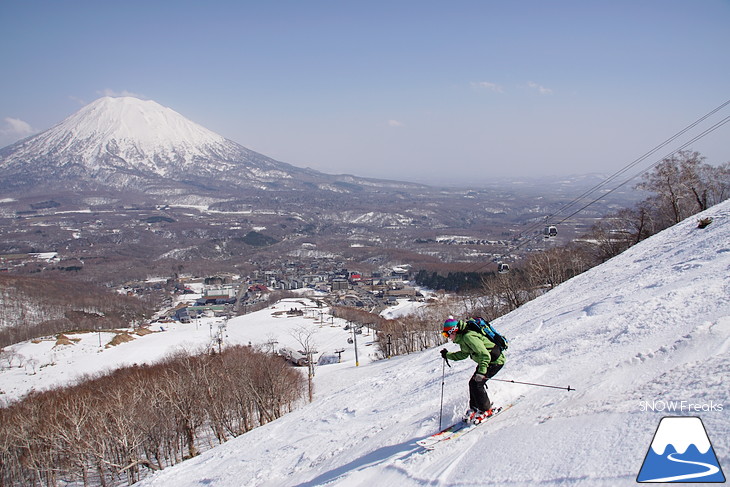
476 346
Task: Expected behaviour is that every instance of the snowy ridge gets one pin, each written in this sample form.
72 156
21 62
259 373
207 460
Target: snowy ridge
649 327
127 142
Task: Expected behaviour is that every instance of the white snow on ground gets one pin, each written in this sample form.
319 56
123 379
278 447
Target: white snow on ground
643 336
41 364
404 307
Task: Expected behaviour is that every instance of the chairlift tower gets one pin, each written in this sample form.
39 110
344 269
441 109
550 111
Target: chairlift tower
354 340
219 335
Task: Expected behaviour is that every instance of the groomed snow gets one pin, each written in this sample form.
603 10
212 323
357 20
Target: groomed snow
643 336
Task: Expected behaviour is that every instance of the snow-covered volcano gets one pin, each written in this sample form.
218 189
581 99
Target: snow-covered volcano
126 142
123 141
138 132
130 133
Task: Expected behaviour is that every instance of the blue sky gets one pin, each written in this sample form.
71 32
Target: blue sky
427 91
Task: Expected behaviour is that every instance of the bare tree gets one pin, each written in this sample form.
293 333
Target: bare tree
305 338
115 427
506 292
550 267
718 179
685 185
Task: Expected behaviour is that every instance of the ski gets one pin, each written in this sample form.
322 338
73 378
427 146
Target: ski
454 431
430 441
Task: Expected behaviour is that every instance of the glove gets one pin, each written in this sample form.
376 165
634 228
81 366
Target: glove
479 378
443 353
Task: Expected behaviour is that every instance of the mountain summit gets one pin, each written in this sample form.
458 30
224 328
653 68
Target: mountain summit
132 133
127 143
130 123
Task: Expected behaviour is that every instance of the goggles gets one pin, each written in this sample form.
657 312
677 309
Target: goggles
447 332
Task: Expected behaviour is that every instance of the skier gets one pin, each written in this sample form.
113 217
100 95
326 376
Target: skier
485 353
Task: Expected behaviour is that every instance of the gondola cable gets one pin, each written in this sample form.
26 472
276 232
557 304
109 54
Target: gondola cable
630 166
622 171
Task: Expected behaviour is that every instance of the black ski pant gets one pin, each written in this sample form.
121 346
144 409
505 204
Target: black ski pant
478 397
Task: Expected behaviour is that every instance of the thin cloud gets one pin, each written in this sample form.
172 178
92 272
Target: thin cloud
487 85
110 92
394 123
78 100
540 89
14 129
16 125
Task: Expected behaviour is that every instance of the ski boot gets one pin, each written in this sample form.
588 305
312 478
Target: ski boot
480 416
469 415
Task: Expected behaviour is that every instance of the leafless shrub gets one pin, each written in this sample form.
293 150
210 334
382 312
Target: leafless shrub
118 427
684 185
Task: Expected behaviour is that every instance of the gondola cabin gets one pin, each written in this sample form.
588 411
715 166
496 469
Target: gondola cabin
550 231
503 268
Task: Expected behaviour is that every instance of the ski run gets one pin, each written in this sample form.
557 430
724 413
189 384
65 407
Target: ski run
644 336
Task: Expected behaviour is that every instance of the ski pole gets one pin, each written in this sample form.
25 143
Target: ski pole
532 384
443 380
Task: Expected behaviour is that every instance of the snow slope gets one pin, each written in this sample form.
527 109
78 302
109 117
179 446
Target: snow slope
42 364
651 327
644 336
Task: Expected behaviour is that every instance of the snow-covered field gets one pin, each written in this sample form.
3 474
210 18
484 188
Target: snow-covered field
42 364
644 336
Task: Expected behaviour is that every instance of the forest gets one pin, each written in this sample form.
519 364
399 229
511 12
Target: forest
118 426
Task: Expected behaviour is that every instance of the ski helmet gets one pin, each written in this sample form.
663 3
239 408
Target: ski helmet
450 325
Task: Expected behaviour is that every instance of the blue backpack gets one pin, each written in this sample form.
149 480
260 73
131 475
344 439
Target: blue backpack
481 325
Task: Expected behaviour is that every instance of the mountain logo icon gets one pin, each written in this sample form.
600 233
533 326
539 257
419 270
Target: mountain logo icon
681 452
